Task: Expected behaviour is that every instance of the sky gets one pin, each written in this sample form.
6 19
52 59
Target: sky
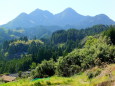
9 9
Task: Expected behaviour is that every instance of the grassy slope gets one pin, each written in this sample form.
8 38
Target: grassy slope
76 80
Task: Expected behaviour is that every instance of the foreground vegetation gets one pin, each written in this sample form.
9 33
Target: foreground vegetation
81 79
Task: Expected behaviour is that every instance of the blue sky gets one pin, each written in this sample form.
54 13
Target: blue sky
9 9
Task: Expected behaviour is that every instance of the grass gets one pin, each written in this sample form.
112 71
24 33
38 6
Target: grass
76 80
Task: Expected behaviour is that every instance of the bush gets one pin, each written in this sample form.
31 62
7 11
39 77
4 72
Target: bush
90 75
45 69
95 51
68 66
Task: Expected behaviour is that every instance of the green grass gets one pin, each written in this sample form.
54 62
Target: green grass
76 80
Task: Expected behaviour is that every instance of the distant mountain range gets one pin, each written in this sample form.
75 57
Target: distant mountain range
69 18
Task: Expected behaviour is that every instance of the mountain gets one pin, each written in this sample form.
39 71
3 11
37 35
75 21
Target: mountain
98 19
68 18
40 31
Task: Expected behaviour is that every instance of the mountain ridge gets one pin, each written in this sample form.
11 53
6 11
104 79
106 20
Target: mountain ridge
67 17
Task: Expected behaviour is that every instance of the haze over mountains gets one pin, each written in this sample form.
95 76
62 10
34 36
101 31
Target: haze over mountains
69 18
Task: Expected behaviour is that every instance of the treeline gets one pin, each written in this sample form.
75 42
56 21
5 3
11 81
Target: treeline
17 47
18 55
16 65
63 36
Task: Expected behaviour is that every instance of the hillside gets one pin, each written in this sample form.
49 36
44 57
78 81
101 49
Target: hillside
6 34
68 18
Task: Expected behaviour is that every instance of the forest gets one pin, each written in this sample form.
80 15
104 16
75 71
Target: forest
19 53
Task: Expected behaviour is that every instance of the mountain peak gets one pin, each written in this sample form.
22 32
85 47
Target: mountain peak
69 10
36 11
69 14
23 14
40 12
101 15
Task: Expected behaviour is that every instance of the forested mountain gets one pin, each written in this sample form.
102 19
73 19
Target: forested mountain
46 32
37 32
6 34
40 31
69 18
62 36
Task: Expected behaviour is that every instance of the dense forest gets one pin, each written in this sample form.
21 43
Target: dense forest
64 53
97 50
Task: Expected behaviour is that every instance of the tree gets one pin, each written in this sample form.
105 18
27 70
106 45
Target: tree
111 33
68 65
33 65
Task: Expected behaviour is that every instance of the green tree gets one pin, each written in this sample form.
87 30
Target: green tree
33 65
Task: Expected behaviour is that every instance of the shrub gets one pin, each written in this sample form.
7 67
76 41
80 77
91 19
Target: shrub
45 69
68 66
90 75
95 51
94 73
